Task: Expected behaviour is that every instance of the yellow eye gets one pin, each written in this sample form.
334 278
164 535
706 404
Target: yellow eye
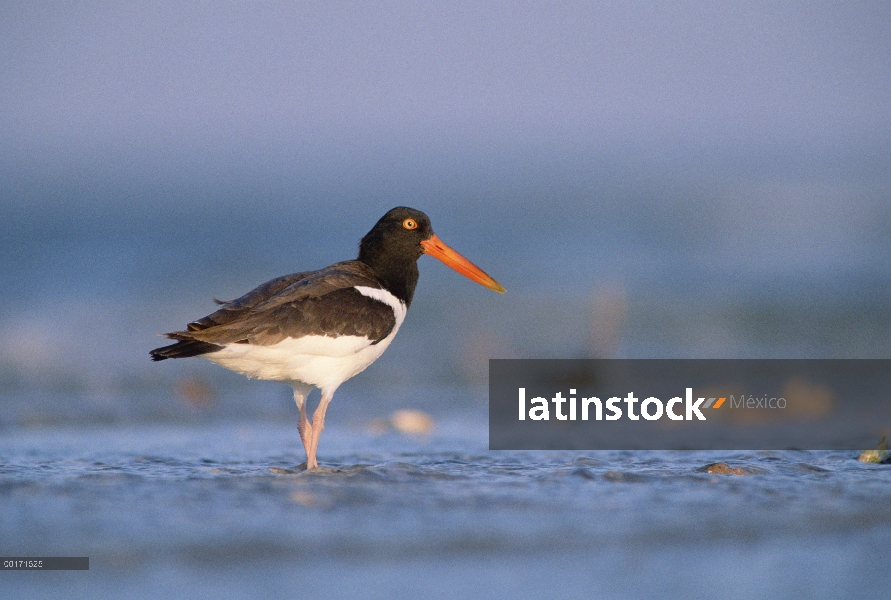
410 224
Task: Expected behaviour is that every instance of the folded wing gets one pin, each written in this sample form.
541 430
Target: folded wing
290 307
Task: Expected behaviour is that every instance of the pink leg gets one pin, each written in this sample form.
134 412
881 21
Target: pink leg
303 426
318 424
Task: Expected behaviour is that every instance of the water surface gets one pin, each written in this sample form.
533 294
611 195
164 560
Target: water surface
225 509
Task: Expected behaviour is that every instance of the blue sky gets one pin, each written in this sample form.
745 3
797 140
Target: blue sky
179 86
157 154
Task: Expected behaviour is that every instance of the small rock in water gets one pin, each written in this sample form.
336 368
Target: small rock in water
414 422
721 469
879 455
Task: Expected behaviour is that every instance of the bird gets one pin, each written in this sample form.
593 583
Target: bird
317 329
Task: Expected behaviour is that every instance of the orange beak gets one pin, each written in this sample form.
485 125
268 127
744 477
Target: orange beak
437 249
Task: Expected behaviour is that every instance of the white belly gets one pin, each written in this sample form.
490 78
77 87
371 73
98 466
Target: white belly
324 362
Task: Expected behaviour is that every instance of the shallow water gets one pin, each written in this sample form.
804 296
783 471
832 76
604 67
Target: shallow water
224 509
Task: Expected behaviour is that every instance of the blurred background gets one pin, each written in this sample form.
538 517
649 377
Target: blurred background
690 180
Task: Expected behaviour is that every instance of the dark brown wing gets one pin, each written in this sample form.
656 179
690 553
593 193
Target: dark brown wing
239 307
323 302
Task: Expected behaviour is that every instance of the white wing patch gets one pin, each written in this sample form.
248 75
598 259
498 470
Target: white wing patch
387 298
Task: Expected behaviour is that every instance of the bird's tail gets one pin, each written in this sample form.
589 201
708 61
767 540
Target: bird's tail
183 348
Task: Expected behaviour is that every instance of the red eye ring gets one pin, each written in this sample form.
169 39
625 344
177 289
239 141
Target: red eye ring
410 224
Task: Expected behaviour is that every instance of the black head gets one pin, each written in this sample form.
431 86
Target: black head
395 243
398 235
393 247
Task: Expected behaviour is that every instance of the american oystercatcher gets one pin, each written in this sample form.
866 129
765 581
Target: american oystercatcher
319 328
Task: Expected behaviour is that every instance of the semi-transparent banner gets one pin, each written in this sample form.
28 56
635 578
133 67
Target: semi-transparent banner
688 404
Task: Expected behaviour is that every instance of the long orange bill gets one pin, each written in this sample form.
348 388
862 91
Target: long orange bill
437 249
